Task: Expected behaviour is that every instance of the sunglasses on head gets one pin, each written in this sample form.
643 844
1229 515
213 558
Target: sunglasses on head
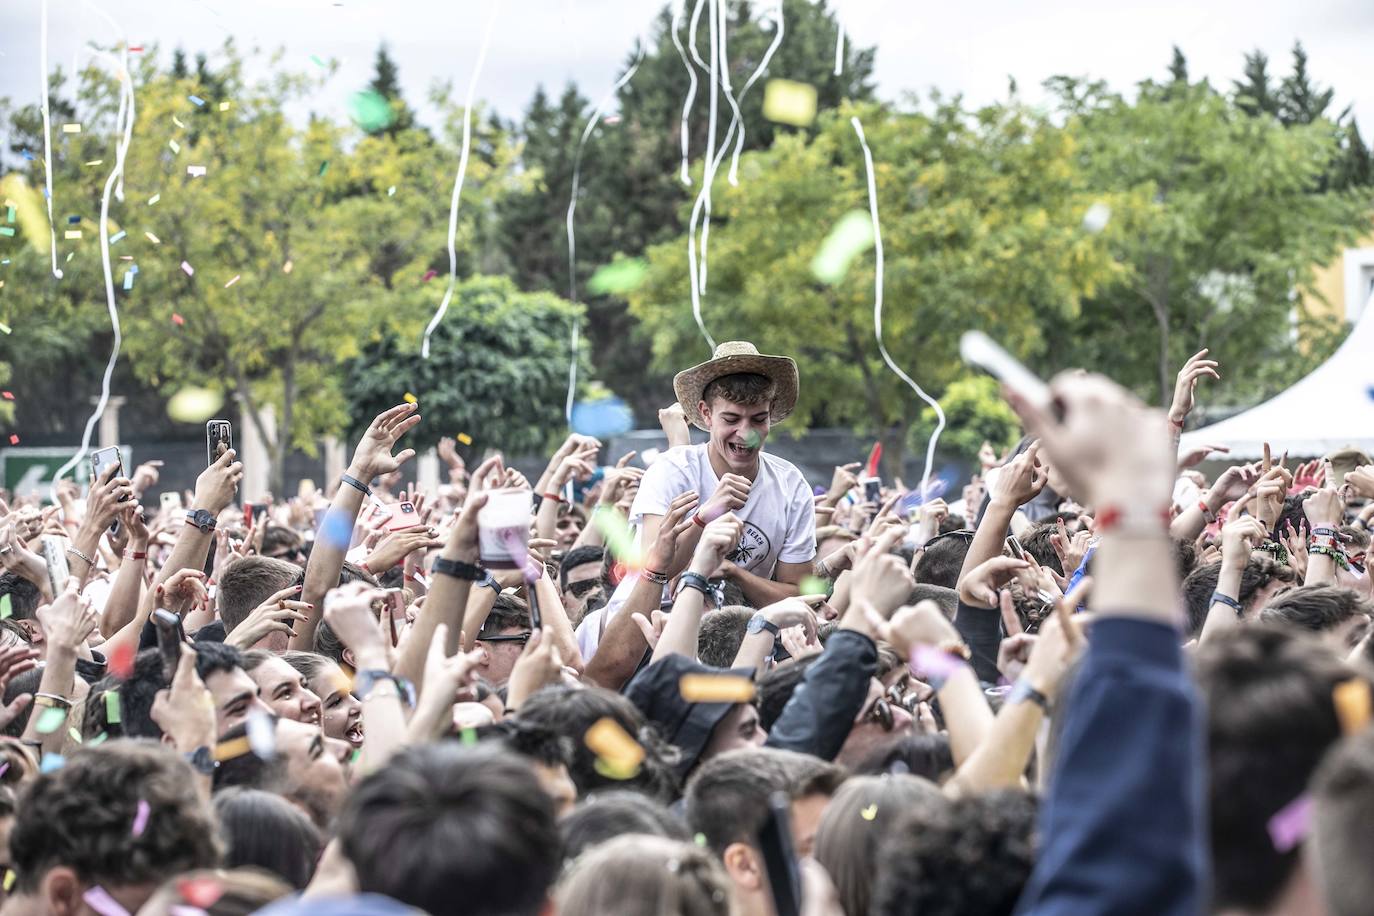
521 638
963 534
578 589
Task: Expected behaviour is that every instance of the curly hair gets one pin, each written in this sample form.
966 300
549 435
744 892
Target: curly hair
973 855
80 817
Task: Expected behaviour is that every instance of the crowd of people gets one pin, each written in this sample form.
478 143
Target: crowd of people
1098 682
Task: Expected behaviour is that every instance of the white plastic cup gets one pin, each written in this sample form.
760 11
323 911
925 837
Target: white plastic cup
504 521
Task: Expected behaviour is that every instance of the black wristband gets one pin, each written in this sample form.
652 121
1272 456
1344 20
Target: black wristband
458 570
696 581
357 484
1233 604
1022 691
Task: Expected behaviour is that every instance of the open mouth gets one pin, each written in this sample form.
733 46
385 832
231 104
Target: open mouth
354 734
739 451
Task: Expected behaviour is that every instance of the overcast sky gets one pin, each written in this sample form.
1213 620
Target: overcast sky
969 47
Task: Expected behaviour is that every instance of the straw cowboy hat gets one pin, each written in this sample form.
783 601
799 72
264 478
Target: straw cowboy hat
731 357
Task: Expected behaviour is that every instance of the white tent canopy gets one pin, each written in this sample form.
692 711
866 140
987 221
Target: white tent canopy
1330 409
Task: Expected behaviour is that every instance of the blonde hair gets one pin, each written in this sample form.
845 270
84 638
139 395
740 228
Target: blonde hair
652 875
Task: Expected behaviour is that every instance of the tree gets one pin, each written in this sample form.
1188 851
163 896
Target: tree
498 368
1256 95
975 412
1301 101
261 277
981 214
386 82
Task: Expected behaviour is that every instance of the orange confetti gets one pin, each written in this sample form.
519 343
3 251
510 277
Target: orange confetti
618 754
465 438
1352 702
716 688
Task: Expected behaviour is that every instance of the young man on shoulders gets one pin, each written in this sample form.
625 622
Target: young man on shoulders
736 396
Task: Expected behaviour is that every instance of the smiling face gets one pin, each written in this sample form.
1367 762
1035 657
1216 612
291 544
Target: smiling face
343 714
285 691
737 432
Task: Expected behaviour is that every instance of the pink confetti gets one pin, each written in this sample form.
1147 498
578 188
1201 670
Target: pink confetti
190 271
99 899
177 319
14 440
4 767
141 818
233 281
430 275
1290 825
934 663
7 395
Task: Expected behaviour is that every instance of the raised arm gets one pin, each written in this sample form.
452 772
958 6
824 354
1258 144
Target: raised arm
215 489
684 623
102 507
121 605
1019 482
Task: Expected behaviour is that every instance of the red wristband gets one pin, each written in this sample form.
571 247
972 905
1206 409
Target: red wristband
1131 521
364 567
553 496
697 519
1207 514
135 555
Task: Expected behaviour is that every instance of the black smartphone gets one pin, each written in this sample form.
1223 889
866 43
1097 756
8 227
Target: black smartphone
1014 547
779 858
873 490
170 636
219 437
536 619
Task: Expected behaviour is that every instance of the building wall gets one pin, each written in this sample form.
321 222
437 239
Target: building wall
1344 284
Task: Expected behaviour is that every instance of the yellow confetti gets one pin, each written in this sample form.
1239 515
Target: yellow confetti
176 147
614 748
1352 702
869 813
10 877
152 238
223 106
232 282
410 398
177 122
286 268
228 750
716 688
789 102
813 585
72 234
465 438
71 128
96 162
154 199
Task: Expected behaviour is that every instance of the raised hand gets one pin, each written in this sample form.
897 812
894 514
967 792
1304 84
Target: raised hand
70 620
1239 538
14 661
1071 549
103 502
395 546
842 481
1234 482
1195 456
979 587
218 484
1020 479
719 538
17 558
186 711
661 553
1198 366
732 492
1361 481
881 581
183 590
373 458
278 614
348 611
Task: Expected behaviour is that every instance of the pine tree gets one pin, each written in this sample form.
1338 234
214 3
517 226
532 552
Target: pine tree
1357 165
1301 101
1255 95
386 82
1178 67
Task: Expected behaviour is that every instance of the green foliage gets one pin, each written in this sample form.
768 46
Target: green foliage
498 368
975 412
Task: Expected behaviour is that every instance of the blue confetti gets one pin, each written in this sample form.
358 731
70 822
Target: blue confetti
1369 392
117 236
603 418
73 220
196 100
337 530
26 154
129 279
52 762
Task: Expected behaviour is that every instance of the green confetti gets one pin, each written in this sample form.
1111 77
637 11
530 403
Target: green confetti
113 714
620 540
315 59
324 167
4 329
51 720
619 276
6 611
814 585
98 740
75 735
391 191
9 214
469 736
356 756
852 236
700 840
6 230
370 111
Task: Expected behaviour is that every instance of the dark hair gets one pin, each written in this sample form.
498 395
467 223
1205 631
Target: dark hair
747 388
1317 608
248 582
507 613
24 682
721 634
443 816
1343 791
606 815
542 745
1201 582
571 711
276 537
266 831
1036 542
927 756
328 644
942 560
1185 557
947 599
973 855
1270 718
651 875
138 690
727 797
246 770
24 596
776 687
578 556
80 816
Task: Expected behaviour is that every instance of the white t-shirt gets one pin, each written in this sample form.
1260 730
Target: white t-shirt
779 519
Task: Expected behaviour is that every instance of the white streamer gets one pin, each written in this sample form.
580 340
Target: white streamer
458 183
708 169
47 138
124 124
839 43
572 211
878 308
678 10
714 166
763 65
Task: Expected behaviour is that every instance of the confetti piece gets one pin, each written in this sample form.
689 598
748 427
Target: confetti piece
700 840
14 439
602 418
113 714
410 398
10 877
188 269
195 171
196 100
869 813
1289 826
4 767
1095 220
7 395
72 234
933 663
286 268
620 276
9 213
4 328
129 279
6 230
430 275
71 128
262 734
620 540
52 762
51 720
201 892
464 438
154 199
391 191
1352 702
716 688
324 167
117 237
6 610
99 900
228 750
468 736
177 121
370 111
617 753
223 106
140 817
851 236
152 238
121 661
315 59
336 530
96 162
789 102
176 147
233 281
814 585
74 734
178 320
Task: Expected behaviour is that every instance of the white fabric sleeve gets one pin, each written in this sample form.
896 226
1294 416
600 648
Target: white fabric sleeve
799 544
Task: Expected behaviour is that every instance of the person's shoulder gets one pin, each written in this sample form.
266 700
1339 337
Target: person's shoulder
788 475
685 459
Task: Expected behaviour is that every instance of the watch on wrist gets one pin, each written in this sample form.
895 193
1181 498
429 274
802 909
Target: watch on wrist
202 519
1022 691
202 760
489 581
758 623
459 570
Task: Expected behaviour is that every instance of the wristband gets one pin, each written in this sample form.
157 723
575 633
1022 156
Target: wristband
697 520
458 570
1207 514
489 581
1131 520
1335 553
77 553
655 576
696 581
1233 604
1274 549
356 484
368 678
1022 691
1326 532
51 700
135 554
553 496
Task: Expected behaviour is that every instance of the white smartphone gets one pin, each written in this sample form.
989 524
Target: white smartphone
55 556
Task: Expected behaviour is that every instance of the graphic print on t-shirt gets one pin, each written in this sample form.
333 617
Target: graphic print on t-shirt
752 548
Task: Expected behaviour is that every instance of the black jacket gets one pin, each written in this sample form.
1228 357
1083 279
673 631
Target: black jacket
822 710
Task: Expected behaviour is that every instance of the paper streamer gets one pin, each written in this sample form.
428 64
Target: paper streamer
735 119
124 123
572 214
878 306
458 183
47 137
758 72
708 170
839 40
678 10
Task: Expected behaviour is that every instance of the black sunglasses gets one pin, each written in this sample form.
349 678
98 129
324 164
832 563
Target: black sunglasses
881 713
963 534
521 638
578 589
